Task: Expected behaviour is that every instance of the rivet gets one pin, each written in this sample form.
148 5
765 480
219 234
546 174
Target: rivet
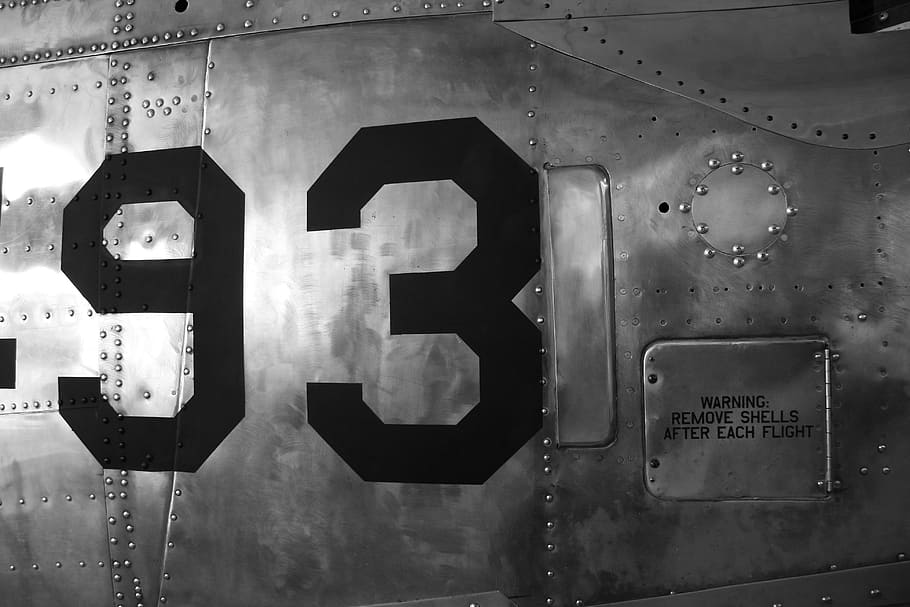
739 261
736 169
874 593
882 448
701 189
304 17
532 89
248 23
738 249
532 67
685 207
862 317
767 165
774 229
826 599
886 470
762 256
538 289
702 228
551 547
532 141
335 13
709 253
792 211
773 189
737 156
883 16
547 442
540 320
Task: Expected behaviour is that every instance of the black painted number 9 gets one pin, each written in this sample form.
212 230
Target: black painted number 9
210 286
474 301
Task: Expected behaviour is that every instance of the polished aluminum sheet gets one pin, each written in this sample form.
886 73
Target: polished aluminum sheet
50 30
886 584
275 515
736 419
527 10
52 117
839 273
37 31
793 70
578 248
53 541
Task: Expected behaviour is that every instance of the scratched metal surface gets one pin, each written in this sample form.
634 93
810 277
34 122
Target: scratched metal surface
275 515
527 10
792 70
839 273
39 31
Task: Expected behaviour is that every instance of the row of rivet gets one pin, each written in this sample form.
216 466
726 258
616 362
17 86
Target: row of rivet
47 315
128 28
114 541
170 545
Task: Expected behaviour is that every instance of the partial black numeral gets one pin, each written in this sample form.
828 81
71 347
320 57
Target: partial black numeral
210 285
474 301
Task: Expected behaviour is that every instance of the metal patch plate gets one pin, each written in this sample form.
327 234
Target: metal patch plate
735 419
581 325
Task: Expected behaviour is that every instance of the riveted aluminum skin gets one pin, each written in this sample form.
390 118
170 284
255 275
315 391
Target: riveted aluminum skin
773 67
275 516
613 539
52 515
318 310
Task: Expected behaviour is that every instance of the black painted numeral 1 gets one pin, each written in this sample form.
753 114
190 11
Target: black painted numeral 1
210 286
474 301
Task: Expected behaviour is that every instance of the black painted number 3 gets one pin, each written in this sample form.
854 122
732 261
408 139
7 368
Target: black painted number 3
210 285
474 301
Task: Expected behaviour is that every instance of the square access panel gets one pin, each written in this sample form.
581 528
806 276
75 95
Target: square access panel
737 419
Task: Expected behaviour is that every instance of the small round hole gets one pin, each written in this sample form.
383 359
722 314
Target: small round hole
181 6
664 207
